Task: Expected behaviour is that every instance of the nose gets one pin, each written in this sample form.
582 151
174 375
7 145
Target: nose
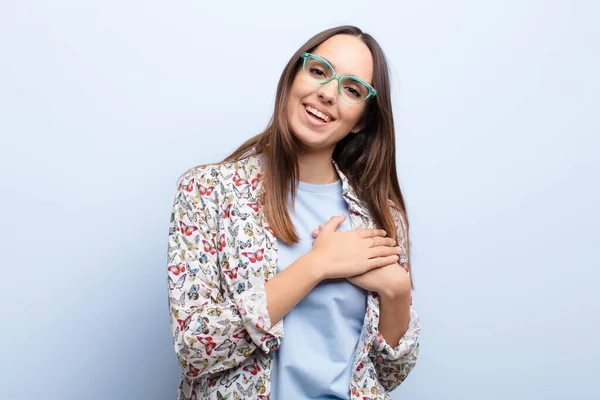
329 91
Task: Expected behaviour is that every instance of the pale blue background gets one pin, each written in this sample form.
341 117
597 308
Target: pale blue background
103 104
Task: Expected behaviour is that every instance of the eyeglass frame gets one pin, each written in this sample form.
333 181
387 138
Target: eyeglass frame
306 55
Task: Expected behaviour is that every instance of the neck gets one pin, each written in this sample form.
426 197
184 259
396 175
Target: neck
316 168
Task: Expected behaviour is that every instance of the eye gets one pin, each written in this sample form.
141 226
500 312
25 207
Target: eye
353 91
317 72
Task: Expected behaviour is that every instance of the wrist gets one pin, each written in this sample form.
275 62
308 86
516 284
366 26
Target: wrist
315 265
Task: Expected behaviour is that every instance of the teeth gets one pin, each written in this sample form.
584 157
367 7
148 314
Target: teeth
317 113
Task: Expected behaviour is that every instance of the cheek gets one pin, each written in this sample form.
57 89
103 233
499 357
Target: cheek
352 115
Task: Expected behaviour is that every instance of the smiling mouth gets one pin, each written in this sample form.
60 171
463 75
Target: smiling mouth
316 115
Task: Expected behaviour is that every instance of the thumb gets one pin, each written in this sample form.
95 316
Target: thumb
333 223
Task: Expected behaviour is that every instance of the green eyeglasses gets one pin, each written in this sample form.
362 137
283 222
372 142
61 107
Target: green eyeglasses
317 71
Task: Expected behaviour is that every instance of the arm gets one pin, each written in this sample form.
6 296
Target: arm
396 347
211 332
291 285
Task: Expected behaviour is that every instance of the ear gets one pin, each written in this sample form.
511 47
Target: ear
358 127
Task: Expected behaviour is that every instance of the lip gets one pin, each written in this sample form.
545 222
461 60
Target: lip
331 117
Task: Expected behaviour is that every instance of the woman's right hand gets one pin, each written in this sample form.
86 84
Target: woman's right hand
344 254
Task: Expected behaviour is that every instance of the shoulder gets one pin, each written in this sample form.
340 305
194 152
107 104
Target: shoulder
218 180
226 172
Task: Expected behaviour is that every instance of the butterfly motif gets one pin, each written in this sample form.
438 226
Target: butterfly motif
254 206
233 231
173 248
238 324
224 262
248 229
260 386
264 364
212 381
242 215
243 193
270 230
213 172
372 373
187 206
189 187
240 287
215 311
203 328
225 177
231 273
253 257
208 248
238 180
177 269
228 382
245 392
180 302
258 242
192 397
255 183
245 245
193 292
172 257
187 230
177 285
236 396
256 272
208 343
243 334
245 351
221 397
192 371
221 244
253 368
227 344
190 244
227 211
205 191
245 274
183 324
227 324
192 270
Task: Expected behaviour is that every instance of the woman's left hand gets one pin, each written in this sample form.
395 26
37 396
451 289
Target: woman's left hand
391 281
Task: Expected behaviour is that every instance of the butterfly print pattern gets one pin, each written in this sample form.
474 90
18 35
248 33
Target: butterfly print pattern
221 251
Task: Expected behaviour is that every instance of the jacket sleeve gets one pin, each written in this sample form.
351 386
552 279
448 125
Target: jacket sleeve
393 364
212 331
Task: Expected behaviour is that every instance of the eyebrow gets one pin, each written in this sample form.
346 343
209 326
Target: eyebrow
330 63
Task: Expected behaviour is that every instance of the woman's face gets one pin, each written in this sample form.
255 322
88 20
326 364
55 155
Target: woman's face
349 56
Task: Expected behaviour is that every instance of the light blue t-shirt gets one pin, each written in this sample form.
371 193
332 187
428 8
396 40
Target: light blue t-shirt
314 360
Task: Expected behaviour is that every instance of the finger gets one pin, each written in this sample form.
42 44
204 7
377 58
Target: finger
384 251
333 223
383 241
381 261
367 233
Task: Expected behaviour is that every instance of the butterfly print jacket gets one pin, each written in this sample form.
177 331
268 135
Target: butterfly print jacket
221 252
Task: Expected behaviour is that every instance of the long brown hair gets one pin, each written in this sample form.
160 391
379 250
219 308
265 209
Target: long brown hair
367 158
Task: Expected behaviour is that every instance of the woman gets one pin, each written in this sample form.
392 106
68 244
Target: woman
242 261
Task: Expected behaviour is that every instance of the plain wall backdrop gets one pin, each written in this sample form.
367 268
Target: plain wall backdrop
103 104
